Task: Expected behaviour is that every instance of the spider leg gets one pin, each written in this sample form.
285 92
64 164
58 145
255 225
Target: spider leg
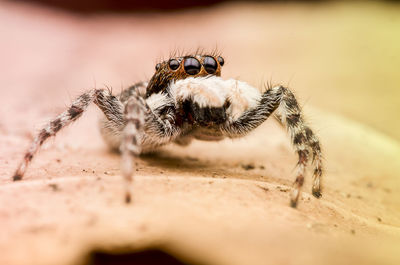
134 117
303 138
109 104
148 124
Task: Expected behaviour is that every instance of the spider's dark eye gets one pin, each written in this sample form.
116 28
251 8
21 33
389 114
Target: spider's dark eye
221 61
173 64
192 66
158 66
210 64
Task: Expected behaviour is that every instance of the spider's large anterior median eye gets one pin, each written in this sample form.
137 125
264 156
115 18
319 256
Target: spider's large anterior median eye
221 60
192 66
210 64
173 64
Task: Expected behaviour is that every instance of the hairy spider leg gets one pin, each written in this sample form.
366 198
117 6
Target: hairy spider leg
302 137
134 117
109 104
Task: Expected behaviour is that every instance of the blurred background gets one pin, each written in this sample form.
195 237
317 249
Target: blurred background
342 59
339 56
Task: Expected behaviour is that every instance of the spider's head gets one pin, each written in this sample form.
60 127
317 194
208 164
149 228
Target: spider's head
181 68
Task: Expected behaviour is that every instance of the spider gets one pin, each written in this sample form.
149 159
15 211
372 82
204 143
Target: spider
187 99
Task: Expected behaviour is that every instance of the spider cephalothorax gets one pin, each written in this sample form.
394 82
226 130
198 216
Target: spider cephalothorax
187 99
181 68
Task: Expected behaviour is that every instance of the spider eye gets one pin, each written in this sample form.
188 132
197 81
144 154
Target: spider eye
158 66
173 64
221 61
210 64
192 66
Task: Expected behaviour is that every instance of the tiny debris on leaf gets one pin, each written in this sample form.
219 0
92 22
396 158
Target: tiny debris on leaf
282 189
263 188
54 186
248 166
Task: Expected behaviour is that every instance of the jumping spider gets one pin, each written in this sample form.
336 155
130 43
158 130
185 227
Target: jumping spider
186 98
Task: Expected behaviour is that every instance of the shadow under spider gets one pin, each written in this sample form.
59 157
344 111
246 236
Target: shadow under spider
164 159
200 167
